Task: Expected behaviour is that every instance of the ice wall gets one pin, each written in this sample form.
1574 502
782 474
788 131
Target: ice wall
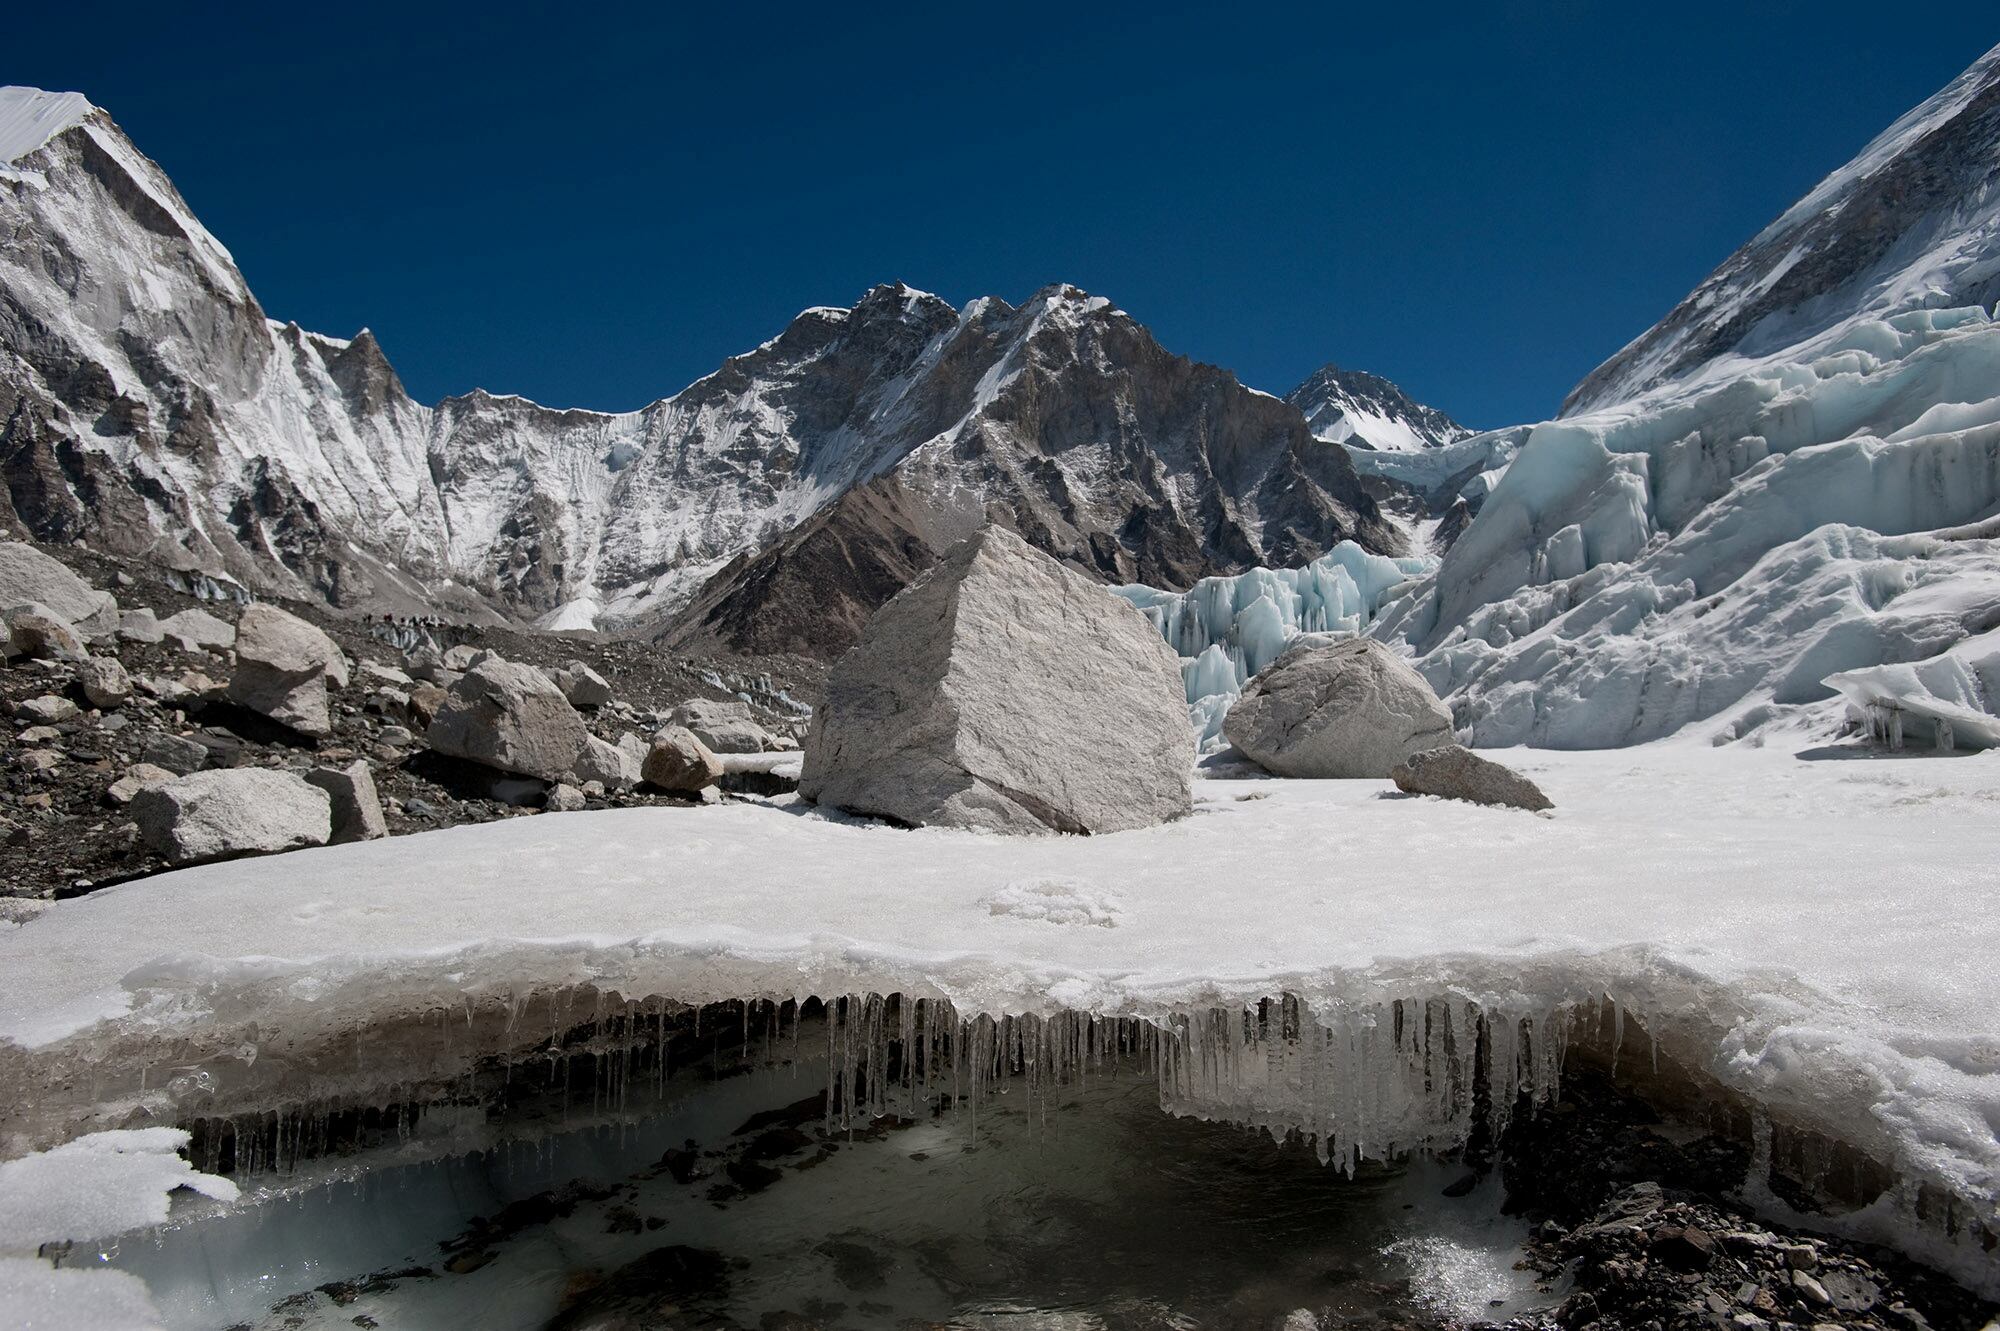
1227 629
1726 545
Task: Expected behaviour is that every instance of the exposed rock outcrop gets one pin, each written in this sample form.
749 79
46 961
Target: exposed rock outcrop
1005 692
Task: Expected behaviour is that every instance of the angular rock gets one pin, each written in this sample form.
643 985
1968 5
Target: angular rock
27 576
608 765
283 666
679 762
140 625
583 686
459 659
177 753
197 631
357 809
137 777
1457 773
104 681
727 726
235 811
1003 691
426 701
563 798
510 717
1349 709
35 630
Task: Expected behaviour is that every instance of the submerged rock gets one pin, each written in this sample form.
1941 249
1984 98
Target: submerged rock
1349 709
1003 691
236 811
1456 773
511 717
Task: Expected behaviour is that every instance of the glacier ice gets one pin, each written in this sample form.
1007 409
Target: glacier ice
1227 629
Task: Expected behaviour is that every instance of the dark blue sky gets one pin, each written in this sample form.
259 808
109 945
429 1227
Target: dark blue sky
1481 201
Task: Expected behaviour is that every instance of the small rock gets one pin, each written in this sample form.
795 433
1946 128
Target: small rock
39 735
564 798
459 659
607 765
583 686
677 761
387 674
357 809
141 626
46 710
1811 1290
104 681
137 777
1455 772
396 737
426 701
420 808
39 760
1684 1249
177 753
1801 1257
237 811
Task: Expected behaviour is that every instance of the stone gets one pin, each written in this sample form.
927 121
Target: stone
386 674
1684 1248
177 753
137 778
1350 708
235 811
726 726
679 762
1811 1290
19 910
426 700
606 764
564 798
39 760
1004 691
104 682
1454 772
357 809
141 626
39 735
459 659
46 710
397 737
198 631
283 667
583 686
27 576
510 717
37 631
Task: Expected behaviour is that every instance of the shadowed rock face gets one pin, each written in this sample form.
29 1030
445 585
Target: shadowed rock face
1883 230
149 407
1005 692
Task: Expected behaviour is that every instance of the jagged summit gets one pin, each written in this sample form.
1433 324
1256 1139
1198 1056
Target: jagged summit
1365 410
1912 222
151 408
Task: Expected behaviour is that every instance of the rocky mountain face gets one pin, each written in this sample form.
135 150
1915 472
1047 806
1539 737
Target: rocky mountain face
1366 411
1909 223
151 409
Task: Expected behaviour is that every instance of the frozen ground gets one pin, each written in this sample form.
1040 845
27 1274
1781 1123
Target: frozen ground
1814 928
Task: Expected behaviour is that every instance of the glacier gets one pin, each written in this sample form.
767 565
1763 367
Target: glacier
1227 629
1817 988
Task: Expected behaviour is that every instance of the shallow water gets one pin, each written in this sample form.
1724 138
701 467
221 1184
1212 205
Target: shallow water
1082 1207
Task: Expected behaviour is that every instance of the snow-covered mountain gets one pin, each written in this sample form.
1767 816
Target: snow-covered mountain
150 407
1366 411
1782 495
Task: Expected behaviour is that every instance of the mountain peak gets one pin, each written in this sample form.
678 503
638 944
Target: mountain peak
30 117
1364 410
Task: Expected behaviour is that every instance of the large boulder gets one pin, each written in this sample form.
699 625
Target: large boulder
1457 773
356 807
726 726
607 764
1004 691
197 630
583 686
35 630
283 665
29 576
509 716
1351 708
232 811
679 762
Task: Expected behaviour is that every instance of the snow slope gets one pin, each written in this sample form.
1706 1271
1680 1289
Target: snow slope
1804 503
1821 985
